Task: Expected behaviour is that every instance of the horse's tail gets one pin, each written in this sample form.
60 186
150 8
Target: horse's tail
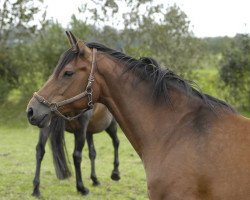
59 151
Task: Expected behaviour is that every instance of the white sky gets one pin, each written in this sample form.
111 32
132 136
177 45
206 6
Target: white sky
208 17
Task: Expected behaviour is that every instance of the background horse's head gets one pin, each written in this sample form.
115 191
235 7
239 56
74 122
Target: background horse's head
72 76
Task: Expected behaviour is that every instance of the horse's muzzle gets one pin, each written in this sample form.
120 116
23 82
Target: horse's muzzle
38 114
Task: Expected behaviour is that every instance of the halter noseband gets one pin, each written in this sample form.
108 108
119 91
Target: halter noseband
88 92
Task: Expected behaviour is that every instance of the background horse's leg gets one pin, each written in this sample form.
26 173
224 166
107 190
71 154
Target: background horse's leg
40 151
112 131
92 156
77 157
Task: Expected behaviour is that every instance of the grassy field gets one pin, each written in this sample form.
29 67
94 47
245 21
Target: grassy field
17 166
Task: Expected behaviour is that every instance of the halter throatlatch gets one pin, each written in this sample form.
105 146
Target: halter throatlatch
87 93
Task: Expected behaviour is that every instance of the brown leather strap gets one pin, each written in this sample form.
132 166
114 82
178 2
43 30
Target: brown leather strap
71 100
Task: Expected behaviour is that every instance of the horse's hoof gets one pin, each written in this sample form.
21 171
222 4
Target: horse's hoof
96 183
84 191
36 194
115 176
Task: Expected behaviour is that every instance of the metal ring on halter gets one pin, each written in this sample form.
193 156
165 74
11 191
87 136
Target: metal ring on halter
53 107
90 104
88 92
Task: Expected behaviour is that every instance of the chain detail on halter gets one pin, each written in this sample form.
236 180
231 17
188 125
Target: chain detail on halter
88 92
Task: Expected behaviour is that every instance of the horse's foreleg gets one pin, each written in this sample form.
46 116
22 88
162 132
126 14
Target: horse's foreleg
77 157
112 131
40 151
92 156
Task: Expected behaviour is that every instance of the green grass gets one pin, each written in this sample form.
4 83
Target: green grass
17 166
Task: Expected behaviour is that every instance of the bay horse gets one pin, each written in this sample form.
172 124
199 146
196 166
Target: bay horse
87 124
192 145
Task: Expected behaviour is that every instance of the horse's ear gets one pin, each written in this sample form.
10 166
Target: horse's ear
78 46
73 41
84 50
67 33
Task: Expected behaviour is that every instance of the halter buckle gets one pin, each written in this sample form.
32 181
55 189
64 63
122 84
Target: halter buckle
89 90
90 104
53 107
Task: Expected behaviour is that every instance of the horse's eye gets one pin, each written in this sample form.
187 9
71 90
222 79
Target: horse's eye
68 73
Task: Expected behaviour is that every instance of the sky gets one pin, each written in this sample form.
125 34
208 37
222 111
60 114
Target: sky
208 18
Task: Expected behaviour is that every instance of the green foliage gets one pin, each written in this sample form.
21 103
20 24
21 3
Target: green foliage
204 76
16 27
48 47
8 74
17 19
235 71
217 45
35 60
81 29
149 29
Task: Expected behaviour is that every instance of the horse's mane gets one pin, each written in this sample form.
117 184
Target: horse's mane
163 80
65 59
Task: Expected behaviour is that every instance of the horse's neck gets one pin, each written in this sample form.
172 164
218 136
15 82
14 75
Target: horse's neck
143 121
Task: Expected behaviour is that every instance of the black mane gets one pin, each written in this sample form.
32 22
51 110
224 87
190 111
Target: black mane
148 69
162 79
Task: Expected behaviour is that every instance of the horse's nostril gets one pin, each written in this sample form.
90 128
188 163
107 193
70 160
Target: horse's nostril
30 113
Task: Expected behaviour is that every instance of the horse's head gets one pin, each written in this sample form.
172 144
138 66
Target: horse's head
69 88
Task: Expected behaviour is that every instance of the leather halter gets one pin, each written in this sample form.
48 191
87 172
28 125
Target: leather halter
87 93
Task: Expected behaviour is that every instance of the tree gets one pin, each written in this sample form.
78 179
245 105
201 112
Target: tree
147 28
38 58
17 25
19 19
235 71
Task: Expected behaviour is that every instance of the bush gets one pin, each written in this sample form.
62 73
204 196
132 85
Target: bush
235 71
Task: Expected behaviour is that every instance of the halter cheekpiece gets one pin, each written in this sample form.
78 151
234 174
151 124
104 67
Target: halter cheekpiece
87 93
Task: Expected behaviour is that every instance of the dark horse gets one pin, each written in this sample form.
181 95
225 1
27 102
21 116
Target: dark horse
83 127
193 146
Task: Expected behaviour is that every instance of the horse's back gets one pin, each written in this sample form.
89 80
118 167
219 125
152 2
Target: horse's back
224 159
78 124
100 120
230 157
96 120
